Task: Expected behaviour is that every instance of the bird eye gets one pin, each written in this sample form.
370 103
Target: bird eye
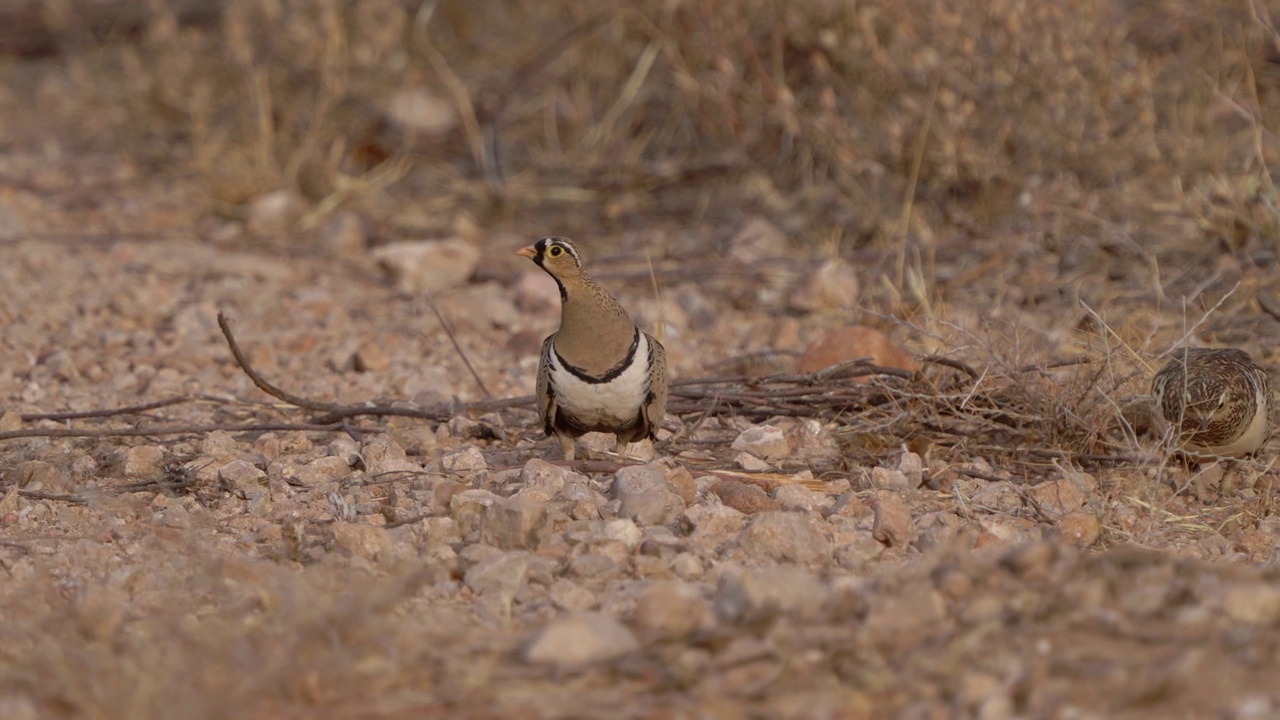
555 251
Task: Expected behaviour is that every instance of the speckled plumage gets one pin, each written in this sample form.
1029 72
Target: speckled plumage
1216 400
598 372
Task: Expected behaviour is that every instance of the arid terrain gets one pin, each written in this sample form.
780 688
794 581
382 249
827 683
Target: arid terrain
914 264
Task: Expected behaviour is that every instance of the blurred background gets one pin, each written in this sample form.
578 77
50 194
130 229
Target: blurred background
995 156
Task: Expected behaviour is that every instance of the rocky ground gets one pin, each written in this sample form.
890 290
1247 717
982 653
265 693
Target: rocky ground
979 524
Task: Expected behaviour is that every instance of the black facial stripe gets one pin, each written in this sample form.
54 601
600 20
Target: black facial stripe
611 374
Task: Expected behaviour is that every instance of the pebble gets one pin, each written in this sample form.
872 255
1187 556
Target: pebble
744 497
1056 498
688 566
569 595
500 575
1080 528
644 496
319 472
467 507
888 479
427 266
361 539
763 441
860 553
624 531
798 497
238 475
713 525
669 609
466 461
785 537
892 524
143 462
912 466
518 522
751 463
580 639
541 480
272 215
756 594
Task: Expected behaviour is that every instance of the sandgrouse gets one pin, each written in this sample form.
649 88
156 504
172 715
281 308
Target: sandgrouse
598 371
1216 401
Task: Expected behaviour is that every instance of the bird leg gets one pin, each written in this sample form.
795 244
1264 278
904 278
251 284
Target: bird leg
566 446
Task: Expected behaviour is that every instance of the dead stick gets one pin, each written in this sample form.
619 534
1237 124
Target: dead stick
130 410
225 324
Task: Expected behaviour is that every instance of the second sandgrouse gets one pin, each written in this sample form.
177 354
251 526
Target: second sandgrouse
1215 400
598 372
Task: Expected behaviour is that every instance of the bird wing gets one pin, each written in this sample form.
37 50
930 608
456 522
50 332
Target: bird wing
655 406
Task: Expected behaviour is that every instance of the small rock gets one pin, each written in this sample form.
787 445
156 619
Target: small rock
832 286
1256 603
757 594
467 508
744 497
785 536
381 450
887 479
273 215
541 480
681 481
500 575
595 565
645 496
1056 498
511 523
41 475
240 474
417 112
11 420
371 356
713 524
751 463
569 595
580 639
361 539
428 266
465 461
625 531
1080 528
860 553
850 343
798 497
687 566
219 443
143 462
322 471
912 466
763 441
669 610
892 524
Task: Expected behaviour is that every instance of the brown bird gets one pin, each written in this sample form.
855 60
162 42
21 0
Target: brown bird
598 371
1216 401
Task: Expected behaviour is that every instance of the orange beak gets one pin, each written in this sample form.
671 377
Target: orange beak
528 252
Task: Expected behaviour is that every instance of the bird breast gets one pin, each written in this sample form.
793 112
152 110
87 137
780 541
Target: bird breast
616 402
